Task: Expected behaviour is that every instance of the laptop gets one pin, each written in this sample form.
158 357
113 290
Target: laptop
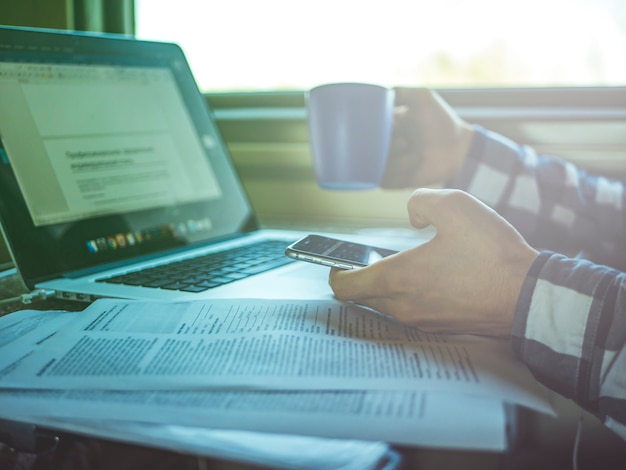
112 164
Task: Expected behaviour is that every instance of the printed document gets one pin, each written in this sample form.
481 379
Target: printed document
264 344
410 417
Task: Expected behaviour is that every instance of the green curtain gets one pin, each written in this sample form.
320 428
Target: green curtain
106 16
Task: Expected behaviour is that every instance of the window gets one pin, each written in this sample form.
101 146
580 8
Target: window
238 45
548 73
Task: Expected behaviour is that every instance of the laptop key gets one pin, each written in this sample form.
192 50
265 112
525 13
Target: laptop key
259 268
194 288
177 285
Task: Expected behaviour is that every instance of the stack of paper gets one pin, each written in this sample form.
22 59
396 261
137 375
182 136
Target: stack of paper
299 368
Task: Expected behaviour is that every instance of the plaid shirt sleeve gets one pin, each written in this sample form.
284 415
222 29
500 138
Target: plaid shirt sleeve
570 323
553 204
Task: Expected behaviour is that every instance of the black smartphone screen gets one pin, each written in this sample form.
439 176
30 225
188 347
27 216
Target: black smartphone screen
336 253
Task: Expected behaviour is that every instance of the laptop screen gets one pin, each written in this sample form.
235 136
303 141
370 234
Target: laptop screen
127 143
107 152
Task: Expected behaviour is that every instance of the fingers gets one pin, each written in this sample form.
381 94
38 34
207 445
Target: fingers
433 207
439 207
386 286
411 97
429 142
403 156
448 209
354 284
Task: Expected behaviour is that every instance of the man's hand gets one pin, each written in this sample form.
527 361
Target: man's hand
429 141
467 279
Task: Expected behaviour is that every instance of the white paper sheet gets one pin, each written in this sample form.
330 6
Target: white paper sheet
17 325
409 418
291 345
21 332
280 451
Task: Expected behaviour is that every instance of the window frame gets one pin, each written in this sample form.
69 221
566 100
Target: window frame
267 135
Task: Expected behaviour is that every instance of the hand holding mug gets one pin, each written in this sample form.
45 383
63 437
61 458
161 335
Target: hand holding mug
429 141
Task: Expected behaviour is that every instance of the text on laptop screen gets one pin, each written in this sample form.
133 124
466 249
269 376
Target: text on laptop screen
124 140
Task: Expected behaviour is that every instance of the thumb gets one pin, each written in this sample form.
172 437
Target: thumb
424 206
440 207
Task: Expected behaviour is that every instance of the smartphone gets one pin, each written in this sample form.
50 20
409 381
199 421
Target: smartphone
335 253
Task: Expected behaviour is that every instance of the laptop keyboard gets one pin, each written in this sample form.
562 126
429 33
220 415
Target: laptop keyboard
208 271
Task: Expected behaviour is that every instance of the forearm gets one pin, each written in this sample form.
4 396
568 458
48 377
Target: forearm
570 329
553 204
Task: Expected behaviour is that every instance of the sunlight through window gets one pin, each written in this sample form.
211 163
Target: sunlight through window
286 45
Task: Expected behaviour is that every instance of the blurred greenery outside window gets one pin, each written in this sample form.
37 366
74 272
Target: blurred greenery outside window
248 45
